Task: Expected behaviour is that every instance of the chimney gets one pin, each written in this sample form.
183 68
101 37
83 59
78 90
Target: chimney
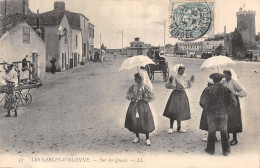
25 6
38 30
225 38
59 5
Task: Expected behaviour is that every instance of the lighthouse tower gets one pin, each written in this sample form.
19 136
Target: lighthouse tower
246 26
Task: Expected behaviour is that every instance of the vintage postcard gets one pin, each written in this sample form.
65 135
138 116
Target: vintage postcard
129 83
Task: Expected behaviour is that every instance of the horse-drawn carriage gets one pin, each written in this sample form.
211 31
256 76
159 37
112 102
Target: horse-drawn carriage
160 66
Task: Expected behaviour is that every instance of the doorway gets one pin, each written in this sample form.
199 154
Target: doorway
35 64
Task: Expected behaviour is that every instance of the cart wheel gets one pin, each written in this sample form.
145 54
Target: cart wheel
149 73
27 99
166 75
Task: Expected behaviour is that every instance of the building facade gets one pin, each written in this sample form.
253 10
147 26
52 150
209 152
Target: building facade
192 49
20 40
76 46
91 36
137 48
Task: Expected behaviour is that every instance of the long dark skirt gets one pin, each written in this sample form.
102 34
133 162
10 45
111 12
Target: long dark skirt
53 68
143 124
178 107
203 121
234 118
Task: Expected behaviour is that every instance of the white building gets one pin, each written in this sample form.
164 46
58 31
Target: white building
18 40
76 47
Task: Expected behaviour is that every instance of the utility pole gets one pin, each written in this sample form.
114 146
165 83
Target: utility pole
100 48
164 32
122 43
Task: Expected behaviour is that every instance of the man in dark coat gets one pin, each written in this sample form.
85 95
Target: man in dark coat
53 66
215 100
24 63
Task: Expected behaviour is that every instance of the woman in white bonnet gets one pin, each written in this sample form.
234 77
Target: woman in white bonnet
234 117
177 107
139 118
11 81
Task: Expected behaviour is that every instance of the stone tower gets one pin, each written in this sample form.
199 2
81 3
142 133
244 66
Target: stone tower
246 26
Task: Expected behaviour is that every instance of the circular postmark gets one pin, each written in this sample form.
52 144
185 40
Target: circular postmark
190 21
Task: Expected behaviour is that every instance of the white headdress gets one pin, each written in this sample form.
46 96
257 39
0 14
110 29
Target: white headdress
233 74
146 80
176 68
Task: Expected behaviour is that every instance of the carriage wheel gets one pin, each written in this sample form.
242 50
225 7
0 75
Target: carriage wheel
27 99
149 73
166 74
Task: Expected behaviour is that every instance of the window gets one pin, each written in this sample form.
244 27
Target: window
65 34
76 41
26 34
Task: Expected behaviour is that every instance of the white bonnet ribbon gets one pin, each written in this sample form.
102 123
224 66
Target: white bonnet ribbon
210 80
146 79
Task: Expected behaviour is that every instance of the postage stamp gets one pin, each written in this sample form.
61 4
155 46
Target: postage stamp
191 20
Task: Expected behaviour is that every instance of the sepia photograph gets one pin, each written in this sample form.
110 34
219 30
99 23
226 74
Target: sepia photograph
130 83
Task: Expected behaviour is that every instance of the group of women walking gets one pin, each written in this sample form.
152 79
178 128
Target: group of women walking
139 118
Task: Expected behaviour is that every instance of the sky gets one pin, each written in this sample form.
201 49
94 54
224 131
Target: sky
136 18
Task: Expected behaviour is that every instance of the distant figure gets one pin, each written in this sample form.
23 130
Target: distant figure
156 54
96 56
53 66
159 59
115 54
249 56
24 63
90 55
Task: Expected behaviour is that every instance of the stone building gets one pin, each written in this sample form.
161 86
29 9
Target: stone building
246 27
